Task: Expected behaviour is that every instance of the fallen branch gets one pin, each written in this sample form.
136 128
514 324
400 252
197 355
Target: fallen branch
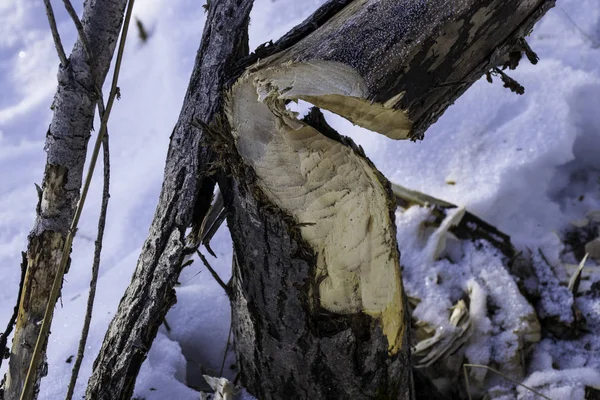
470 226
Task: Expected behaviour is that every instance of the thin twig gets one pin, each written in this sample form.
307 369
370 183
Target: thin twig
11 323
95 266
212 222
575 280
103 208
45 328
468 387
88 51
57 43
213 273
505 377
544 258
79 27
167 326
226 349
595 44
189 280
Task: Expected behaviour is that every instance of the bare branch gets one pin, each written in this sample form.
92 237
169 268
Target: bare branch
79 27
213 272
55 35
96 264
114 90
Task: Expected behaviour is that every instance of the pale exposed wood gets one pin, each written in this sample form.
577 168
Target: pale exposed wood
288 346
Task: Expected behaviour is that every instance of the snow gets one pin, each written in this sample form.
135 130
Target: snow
569 384
526 164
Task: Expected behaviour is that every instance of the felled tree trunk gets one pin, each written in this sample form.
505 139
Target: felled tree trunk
66 145
318 305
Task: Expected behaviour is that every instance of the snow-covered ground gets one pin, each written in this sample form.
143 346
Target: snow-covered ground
527 164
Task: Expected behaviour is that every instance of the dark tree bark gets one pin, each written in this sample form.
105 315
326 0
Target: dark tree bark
393 66
66 145
286 346
186 194
184 199
390 66
418 57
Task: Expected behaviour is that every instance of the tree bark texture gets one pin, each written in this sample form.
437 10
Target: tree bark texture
393 67
418 57
66 146
287 347
186 194
184 200
396 65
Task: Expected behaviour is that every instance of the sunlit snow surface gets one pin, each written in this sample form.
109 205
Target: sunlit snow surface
520 162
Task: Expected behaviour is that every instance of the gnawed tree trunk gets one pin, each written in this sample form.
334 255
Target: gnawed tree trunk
312 319
184 200
66 145
318 306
